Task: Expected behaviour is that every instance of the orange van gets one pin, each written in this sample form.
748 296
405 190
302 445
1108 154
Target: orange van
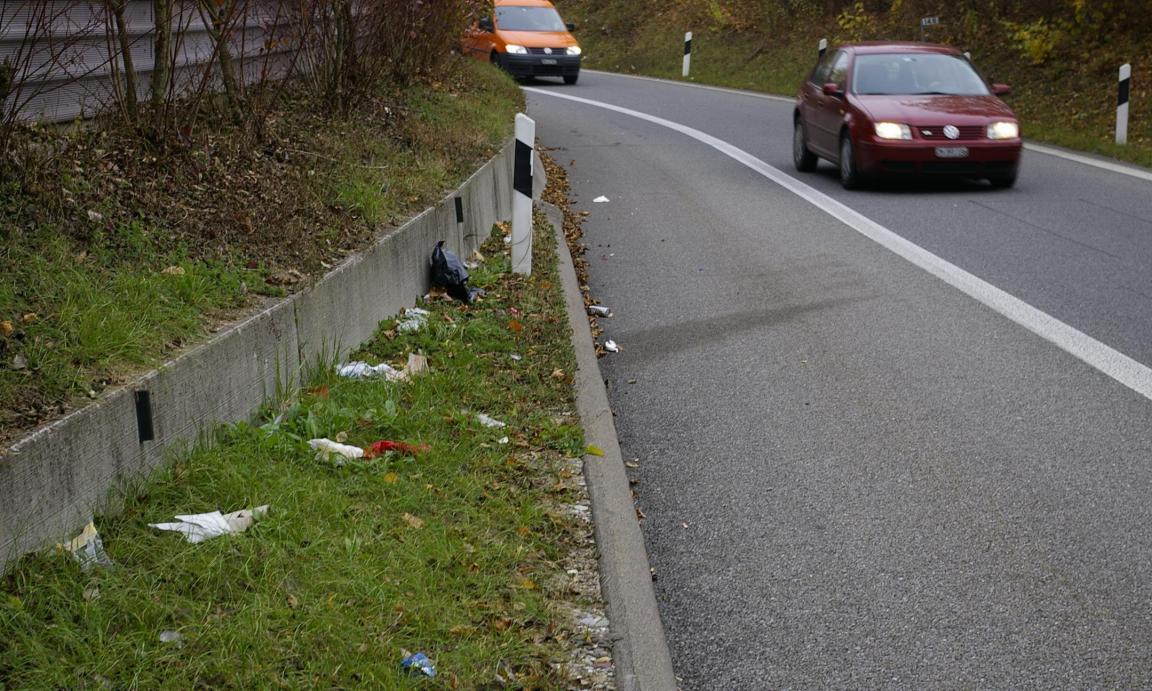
527 38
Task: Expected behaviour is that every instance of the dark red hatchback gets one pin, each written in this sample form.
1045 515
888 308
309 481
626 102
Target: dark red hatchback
910 109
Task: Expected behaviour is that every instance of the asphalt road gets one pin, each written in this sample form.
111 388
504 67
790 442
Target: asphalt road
853 474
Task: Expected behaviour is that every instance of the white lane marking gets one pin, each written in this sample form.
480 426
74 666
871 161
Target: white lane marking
1111 362
1112 167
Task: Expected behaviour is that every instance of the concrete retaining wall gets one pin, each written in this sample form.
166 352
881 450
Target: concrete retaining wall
53 480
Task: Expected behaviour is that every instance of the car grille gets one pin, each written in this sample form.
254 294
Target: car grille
555 51
967 133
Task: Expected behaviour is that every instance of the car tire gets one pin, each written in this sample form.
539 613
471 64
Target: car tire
1003 182
803 158
571 79
850 176
494 58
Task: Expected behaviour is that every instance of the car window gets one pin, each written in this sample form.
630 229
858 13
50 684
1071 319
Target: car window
916 73
839 72
529 19
820 74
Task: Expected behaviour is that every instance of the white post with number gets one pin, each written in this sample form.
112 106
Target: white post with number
522 174
687 53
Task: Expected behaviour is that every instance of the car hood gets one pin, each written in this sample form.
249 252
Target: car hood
538 39
936 109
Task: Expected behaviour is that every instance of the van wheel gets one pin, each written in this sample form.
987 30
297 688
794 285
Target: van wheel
571 78
495 59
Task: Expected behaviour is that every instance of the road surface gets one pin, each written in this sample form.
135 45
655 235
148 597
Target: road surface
861 466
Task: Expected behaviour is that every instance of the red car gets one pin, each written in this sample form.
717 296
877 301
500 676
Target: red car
911 109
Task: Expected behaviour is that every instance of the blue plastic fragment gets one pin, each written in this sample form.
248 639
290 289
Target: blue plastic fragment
418 662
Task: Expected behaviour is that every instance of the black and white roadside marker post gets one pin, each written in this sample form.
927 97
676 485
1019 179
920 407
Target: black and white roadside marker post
1122 104
522 195
823 49
687 54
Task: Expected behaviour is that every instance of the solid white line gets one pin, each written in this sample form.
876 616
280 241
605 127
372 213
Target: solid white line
1111 167
1111 362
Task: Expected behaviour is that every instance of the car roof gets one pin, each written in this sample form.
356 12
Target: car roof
876 47
523 3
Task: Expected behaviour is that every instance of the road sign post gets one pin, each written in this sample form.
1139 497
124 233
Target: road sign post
522 194
687 54
926 22
1122 104
823 48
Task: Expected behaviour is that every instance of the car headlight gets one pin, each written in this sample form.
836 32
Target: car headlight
514 49
574 50
893 130
1003 130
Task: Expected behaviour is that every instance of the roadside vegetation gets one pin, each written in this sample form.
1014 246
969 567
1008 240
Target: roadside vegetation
1061 57
122 241
468 550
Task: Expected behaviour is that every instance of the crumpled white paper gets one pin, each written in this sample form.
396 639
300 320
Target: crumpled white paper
326 447
87 548
203 526
488 421
414 320
417 365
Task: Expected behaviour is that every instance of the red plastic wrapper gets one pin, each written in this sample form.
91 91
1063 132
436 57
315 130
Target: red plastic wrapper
384 446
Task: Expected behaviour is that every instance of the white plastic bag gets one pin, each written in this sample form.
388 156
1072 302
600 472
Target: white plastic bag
203 526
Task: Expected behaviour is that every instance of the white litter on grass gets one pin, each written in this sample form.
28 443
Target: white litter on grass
414 320
601 200
171 637
417 365
489 421
599 311
362 370
503 440
515 357
87 548
326 447
611 347
203 526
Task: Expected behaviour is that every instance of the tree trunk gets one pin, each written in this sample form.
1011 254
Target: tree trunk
126 55
162 67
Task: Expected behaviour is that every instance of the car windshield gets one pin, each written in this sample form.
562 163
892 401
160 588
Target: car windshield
906 74
529 19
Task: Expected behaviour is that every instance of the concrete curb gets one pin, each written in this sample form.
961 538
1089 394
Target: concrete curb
639 650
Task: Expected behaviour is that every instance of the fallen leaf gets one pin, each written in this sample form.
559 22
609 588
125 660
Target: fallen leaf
6 328
515 327
413 521
320 391
594 450
461 629
523 531
527 583
173 271
29 317
391 478
19 362
558 374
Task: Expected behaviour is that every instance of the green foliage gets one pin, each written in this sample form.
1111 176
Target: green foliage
856 23
1038 41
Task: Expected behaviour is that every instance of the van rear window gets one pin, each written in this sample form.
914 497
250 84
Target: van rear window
529 19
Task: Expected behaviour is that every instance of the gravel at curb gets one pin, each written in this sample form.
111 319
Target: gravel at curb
639 649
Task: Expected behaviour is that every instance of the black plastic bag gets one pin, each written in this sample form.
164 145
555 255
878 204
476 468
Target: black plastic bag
450 273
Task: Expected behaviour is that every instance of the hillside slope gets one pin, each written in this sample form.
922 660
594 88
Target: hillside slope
1060 56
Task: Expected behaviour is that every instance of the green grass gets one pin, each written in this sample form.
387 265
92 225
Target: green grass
99 303
329 588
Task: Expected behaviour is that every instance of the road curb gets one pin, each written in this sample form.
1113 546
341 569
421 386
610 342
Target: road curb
639 649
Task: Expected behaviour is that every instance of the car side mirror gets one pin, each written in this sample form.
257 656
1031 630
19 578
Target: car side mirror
570 26
1001 89
485 24
832 89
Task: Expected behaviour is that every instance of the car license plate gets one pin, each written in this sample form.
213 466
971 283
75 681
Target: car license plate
951 152
548 61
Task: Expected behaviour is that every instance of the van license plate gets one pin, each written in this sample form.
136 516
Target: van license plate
951 152
548 61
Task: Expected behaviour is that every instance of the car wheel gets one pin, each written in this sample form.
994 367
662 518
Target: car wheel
495 59
1003 182
850 177
802 156
571 79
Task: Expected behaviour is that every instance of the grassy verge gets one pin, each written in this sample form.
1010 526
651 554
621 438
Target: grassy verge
461 552
113 255
1070 101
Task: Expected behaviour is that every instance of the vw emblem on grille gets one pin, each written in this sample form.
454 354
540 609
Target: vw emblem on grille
952 131
547 51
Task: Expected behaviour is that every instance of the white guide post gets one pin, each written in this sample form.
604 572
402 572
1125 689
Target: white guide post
687 53
1122 104
522 195
823 48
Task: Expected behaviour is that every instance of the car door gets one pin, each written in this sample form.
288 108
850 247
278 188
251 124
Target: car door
809 98
827 113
